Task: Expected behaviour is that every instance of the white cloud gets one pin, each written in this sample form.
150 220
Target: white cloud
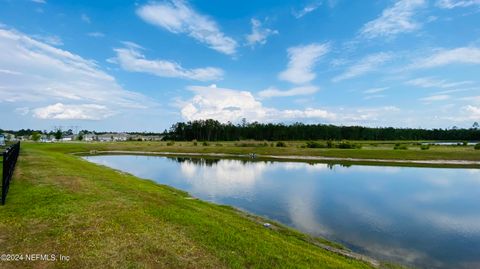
259 34
374 96
73 112
373 93
473 112
50 39
365 65
38 75
225 178
394 20
375 90
462 55
232 105
430 82
22 110
433 98
302 59
96 34
449 4
307 9
131 59
178 17
9 72
302 90
85 18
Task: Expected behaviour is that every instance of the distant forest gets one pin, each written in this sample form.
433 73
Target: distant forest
212 130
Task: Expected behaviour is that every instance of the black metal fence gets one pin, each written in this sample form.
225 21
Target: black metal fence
10 156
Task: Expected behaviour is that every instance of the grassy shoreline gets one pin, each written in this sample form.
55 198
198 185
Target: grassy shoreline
370 150
99 217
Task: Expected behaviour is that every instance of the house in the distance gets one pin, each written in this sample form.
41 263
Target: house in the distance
2 140
46 139
89 137
67 138
109 137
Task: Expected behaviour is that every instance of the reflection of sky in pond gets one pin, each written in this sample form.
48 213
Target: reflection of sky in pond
428 217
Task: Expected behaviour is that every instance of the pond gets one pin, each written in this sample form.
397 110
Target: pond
422 217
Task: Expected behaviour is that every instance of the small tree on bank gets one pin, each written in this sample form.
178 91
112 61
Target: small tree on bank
36 136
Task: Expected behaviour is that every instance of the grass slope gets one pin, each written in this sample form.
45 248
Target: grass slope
101 218
370 150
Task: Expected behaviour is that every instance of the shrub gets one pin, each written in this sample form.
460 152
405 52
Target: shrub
205 143
195 143
425 147
330 144
465 143
170 143
219 145
347 145
400 146
315 145
281 144
36 136
251 144
477 146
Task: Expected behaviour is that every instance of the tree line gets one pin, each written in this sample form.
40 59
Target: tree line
212 130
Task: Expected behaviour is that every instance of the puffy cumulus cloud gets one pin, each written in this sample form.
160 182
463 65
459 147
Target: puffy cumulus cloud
225 178
302 60
232 105
68 112
365 65
178 17
394 20
473 112
259 34
449 4
131 59
36 74
302 90
222 104
442 57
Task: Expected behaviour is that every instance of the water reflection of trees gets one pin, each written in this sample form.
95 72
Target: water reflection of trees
211 161
197 161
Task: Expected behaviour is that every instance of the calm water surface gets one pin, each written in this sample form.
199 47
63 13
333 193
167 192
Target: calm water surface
425 217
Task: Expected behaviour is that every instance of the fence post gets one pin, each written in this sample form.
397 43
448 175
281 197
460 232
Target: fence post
4 175
10 156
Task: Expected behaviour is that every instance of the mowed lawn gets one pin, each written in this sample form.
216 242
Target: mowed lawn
102 218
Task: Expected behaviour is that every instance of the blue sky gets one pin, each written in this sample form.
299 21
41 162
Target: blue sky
143 65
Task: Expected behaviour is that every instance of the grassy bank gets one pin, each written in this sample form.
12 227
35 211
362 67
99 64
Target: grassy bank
101 218
369 149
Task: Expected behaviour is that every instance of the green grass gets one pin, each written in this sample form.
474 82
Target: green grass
369 150
102 218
